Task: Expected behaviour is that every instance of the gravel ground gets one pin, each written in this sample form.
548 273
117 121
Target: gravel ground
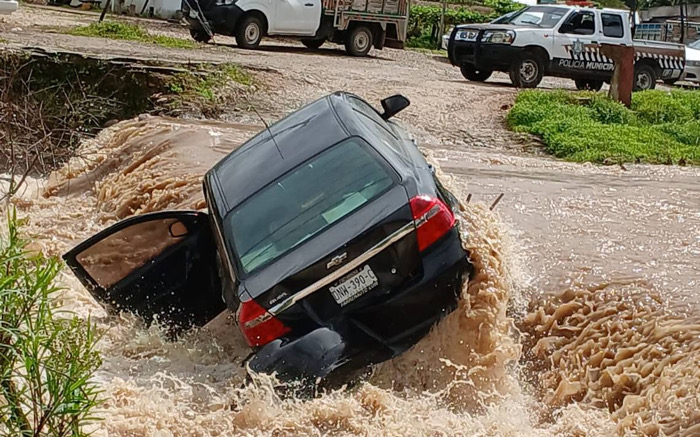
446 110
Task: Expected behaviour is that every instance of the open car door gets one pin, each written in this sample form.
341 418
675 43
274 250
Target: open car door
161 265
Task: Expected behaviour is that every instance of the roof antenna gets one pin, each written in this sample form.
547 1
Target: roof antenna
266 126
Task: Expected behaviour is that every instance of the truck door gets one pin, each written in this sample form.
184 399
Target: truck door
296 17
577 39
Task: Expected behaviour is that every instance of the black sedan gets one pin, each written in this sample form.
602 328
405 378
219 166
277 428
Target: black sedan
327 234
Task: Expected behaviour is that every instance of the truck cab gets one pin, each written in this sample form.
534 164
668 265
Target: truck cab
359 25
561 41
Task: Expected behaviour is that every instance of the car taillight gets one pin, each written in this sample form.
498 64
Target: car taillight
259 327
433 220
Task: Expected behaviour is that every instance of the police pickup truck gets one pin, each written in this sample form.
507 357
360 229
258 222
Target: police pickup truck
562 41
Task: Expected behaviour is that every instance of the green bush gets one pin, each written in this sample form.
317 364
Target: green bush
656 107
660 127
131 32
424 20
47 357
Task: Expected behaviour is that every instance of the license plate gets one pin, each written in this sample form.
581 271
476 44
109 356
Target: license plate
193 13
354 287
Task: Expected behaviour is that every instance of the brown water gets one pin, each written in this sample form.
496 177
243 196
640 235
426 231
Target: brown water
581 319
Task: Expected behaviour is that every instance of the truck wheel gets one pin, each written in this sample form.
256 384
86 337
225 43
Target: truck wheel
644 77
359 41
313 43
527 71
249 32
470 72
200 35
588 84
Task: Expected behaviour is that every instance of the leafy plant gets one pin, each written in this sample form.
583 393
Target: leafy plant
659 128
131 32
424 20
47 356
205 83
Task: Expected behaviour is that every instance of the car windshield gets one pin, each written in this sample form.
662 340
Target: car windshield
305 201
539 16
695 45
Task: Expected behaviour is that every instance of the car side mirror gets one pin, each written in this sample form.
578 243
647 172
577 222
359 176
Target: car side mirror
393 105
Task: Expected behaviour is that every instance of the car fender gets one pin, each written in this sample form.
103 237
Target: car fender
256 5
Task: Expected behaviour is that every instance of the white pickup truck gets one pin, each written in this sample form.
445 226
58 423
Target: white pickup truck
562 41
359 24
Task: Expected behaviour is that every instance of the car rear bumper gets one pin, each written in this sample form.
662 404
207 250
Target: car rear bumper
377 333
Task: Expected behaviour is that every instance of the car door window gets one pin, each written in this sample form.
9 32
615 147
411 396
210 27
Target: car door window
612 25
579 23
112 259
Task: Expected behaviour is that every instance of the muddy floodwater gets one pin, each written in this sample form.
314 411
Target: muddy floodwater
581 319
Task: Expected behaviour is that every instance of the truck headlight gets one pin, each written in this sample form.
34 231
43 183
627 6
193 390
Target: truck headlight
466 35
498 37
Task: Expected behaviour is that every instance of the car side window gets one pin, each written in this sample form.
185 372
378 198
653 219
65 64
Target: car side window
612 25
374 122
115 257
579 23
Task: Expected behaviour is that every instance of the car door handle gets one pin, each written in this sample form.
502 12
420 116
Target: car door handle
308 4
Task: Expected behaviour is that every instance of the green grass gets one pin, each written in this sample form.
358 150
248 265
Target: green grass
205 84
48 356
130 32
660 127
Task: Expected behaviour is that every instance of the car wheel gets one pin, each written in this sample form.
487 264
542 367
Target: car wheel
588 85
644 78
313 43
470 72
249 33
527 71
359 41
200 35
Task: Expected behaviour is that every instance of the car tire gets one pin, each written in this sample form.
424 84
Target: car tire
470 72
313 43
527 71
249 32
588 84
200 35
359 41
644 77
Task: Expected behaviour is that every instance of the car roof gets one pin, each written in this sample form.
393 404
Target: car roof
570 7
286 144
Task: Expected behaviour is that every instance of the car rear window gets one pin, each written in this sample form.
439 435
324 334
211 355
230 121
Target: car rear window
305 201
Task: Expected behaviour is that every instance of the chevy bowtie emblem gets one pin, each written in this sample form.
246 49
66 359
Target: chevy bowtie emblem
337 260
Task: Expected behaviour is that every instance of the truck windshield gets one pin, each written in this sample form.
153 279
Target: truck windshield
545 17
305 201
